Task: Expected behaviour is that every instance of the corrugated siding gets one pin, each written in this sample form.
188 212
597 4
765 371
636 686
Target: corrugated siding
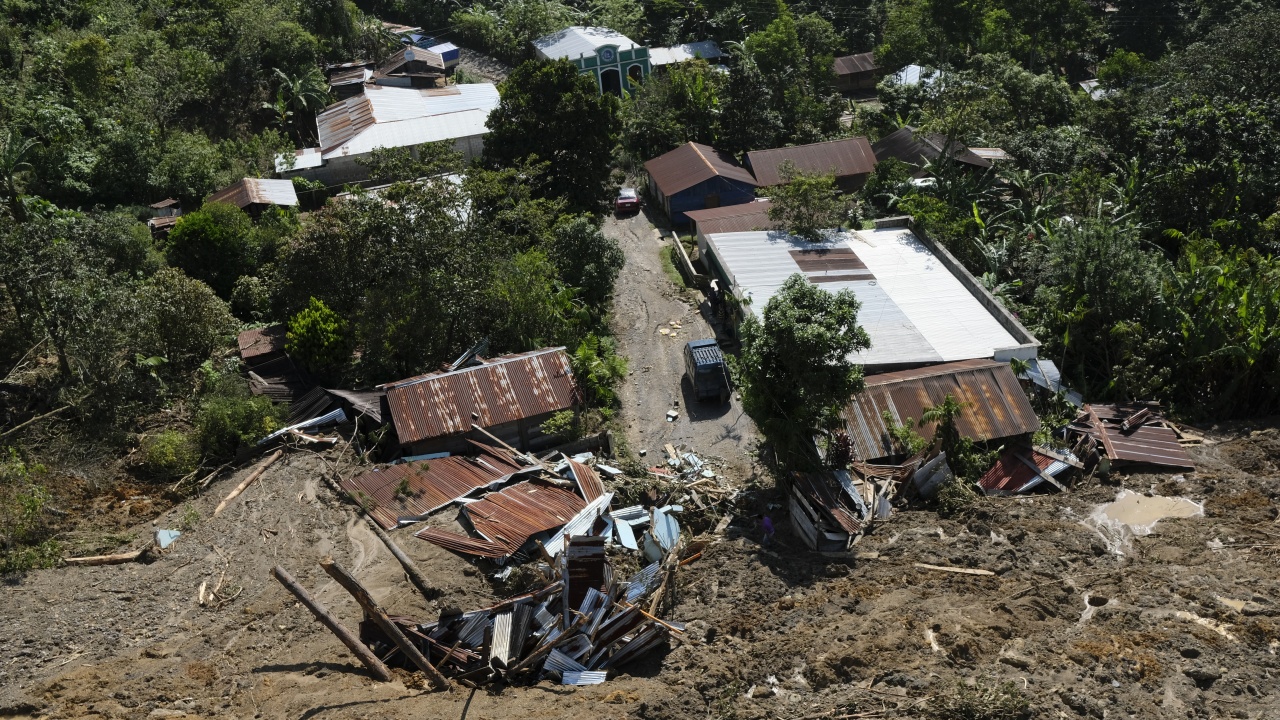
996 406
505 390
842 158
431 484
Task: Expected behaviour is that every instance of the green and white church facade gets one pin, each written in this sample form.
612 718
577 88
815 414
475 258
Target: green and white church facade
617 63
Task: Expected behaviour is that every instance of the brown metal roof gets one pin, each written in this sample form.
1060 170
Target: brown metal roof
995 404
691 164
588 480
733 218
506 520
499 391
1151 443
916 149
365 402
842 158
854 64
430 484
256 191
168 202
343 120
406 55
1010 474
261 341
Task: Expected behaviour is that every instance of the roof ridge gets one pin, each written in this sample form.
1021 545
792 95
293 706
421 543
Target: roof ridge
704 159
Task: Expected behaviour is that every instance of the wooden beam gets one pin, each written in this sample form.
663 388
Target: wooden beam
943 568
105 559
410 568
257 473
1043 475
1102 431
359 649
383 621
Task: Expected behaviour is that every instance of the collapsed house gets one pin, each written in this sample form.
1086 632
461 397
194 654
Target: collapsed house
272 372
508 397
1133 434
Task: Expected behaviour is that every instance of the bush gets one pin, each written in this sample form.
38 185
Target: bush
563 425
25 534
226 422
214 244
982 701
318 339
170 454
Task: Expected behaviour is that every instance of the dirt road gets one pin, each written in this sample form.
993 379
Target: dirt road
646 304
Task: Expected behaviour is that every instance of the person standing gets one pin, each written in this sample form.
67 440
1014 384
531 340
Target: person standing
766 524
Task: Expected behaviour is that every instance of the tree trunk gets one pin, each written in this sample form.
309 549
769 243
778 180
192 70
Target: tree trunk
359 649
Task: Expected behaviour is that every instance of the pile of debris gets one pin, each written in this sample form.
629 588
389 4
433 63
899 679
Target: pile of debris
1131 434
830 510
575 630
695 475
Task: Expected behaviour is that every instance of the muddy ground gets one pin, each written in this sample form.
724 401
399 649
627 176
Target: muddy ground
1183 624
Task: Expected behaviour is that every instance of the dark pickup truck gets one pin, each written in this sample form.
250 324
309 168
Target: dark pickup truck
705 366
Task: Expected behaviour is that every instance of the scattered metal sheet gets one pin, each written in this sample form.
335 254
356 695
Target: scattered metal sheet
643 582
585 677
665 528
1149 442
584 562
412 490
506 520
931 475
580 524
626 535
1019 470
588 481
337 417
558 662
501 647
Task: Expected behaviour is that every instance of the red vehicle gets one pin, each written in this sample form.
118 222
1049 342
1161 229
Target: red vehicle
628 201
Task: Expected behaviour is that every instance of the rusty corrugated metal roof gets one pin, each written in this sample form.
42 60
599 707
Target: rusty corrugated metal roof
853 64
691 164
499 391
414 489
256 191
916 148
823 494
842 158
1151 443
506 520
1010 475
261 341
995 404
343 120
588 480
733 218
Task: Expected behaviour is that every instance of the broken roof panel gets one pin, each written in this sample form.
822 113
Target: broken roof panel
506 520
1151 442
691 164
412 490
261 341
499 391
826 498
843 158
995 404
1013 472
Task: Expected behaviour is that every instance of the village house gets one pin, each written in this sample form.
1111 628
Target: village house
856 72
510 397
392 117
255 195
615 61
919 149
850 160
696 176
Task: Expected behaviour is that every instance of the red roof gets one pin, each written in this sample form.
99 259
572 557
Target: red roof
691 164
261 341
503 390
842 158
506 520
1010 473
413 489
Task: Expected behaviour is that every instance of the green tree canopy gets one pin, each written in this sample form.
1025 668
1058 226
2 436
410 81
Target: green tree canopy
551 112
214 244
807 205
796 369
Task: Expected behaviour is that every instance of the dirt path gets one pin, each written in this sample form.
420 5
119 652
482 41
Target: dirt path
646 303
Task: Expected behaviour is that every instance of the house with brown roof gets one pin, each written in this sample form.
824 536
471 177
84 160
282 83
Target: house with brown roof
918 149
696 176
509 396
734 218
856 72
254 195
851 160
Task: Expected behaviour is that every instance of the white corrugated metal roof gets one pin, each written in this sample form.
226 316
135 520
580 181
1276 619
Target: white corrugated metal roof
573 42
302 160
707 50
443 48
415 131
914 310
914 75
391 104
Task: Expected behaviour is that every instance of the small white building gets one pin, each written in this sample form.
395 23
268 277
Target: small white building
392 117
919 305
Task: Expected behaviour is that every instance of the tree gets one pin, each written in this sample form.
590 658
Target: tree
551 112
943 417
807 205
797 368
681 105
214 244
317 337
586 258
181 320
14 149
527 307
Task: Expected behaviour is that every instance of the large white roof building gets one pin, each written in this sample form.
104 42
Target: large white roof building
919 305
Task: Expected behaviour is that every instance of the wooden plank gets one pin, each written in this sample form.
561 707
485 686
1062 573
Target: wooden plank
1043 475
943 568
359 649
1060 457
257 473
1102 432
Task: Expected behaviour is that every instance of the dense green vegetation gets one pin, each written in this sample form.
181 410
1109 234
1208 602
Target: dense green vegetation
1135 232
